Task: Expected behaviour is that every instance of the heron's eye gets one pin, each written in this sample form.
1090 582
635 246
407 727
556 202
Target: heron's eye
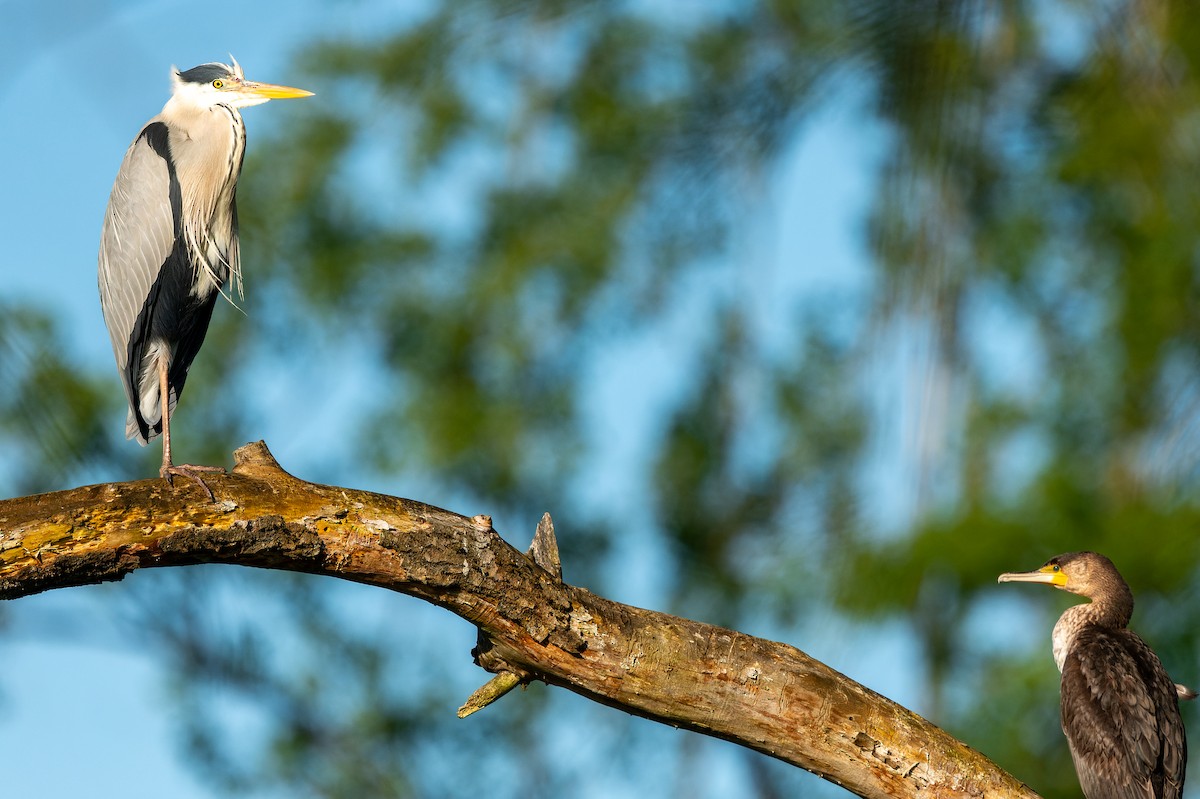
218 83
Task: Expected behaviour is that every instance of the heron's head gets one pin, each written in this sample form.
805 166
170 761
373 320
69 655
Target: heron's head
1088 574
210 85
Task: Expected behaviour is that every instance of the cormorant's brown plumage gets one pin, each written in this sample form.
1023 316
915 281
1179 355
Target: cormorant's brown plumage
1120 709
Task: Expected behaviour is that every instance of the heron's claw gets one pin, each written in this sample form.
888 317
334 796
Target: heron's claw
190 471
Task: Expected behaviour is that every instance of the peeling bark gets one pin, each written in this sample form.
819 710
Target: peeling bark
764 695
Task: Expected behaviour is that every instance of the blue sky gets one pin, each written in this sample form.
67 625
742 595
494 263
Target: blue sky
82 77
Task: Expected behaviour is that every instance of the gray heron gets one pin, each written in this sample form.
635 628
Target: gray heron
169 243
1120 709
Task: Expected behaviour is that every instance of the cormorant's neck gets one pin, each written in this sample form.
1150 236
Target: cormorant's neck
1113 607
1111 610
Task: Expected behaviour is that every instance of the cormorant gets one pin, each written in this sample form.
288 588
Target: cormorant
1120 709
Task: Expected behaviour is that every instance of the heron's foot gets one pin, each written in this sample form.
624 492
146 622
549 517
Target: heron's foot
191 471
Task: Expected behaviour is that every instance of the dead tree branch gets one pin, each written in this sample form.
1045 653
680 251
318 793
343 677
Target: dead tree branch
761 694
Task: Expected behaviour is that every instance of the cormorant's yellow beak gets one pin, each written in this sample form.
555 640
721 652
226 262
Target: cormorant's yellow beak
1050 575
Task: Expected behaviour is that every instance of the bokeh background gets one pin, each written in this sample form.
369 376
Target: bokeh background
803 318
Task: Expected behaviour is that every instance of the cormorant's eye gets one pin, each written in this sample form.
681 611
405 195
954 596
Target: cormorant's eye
218 83
1056 567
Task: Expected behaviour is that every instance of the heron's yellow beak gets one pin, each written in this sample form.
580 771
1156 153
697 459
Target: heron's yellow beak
1049 575
270 91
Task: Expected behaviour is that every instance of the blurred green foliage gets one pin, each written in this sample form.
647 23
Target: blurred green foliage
495 194
52 414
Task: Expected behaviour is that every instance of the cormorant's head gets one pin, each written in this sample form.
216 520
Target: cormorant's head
1088 574
214 84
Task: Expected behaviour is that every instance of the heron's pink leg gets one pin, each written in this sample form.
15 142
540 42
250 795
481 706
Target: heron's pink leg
168 468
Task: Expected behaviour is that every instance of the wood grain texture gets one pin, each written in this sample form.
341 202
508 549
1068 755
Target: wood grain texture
764 695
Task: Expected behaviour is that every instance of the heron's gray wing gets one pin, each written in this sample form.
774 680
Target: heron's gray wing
139 233
1121 719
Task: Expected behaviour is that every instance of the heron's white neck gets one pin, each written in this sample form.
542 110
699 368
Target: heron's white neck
186 106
